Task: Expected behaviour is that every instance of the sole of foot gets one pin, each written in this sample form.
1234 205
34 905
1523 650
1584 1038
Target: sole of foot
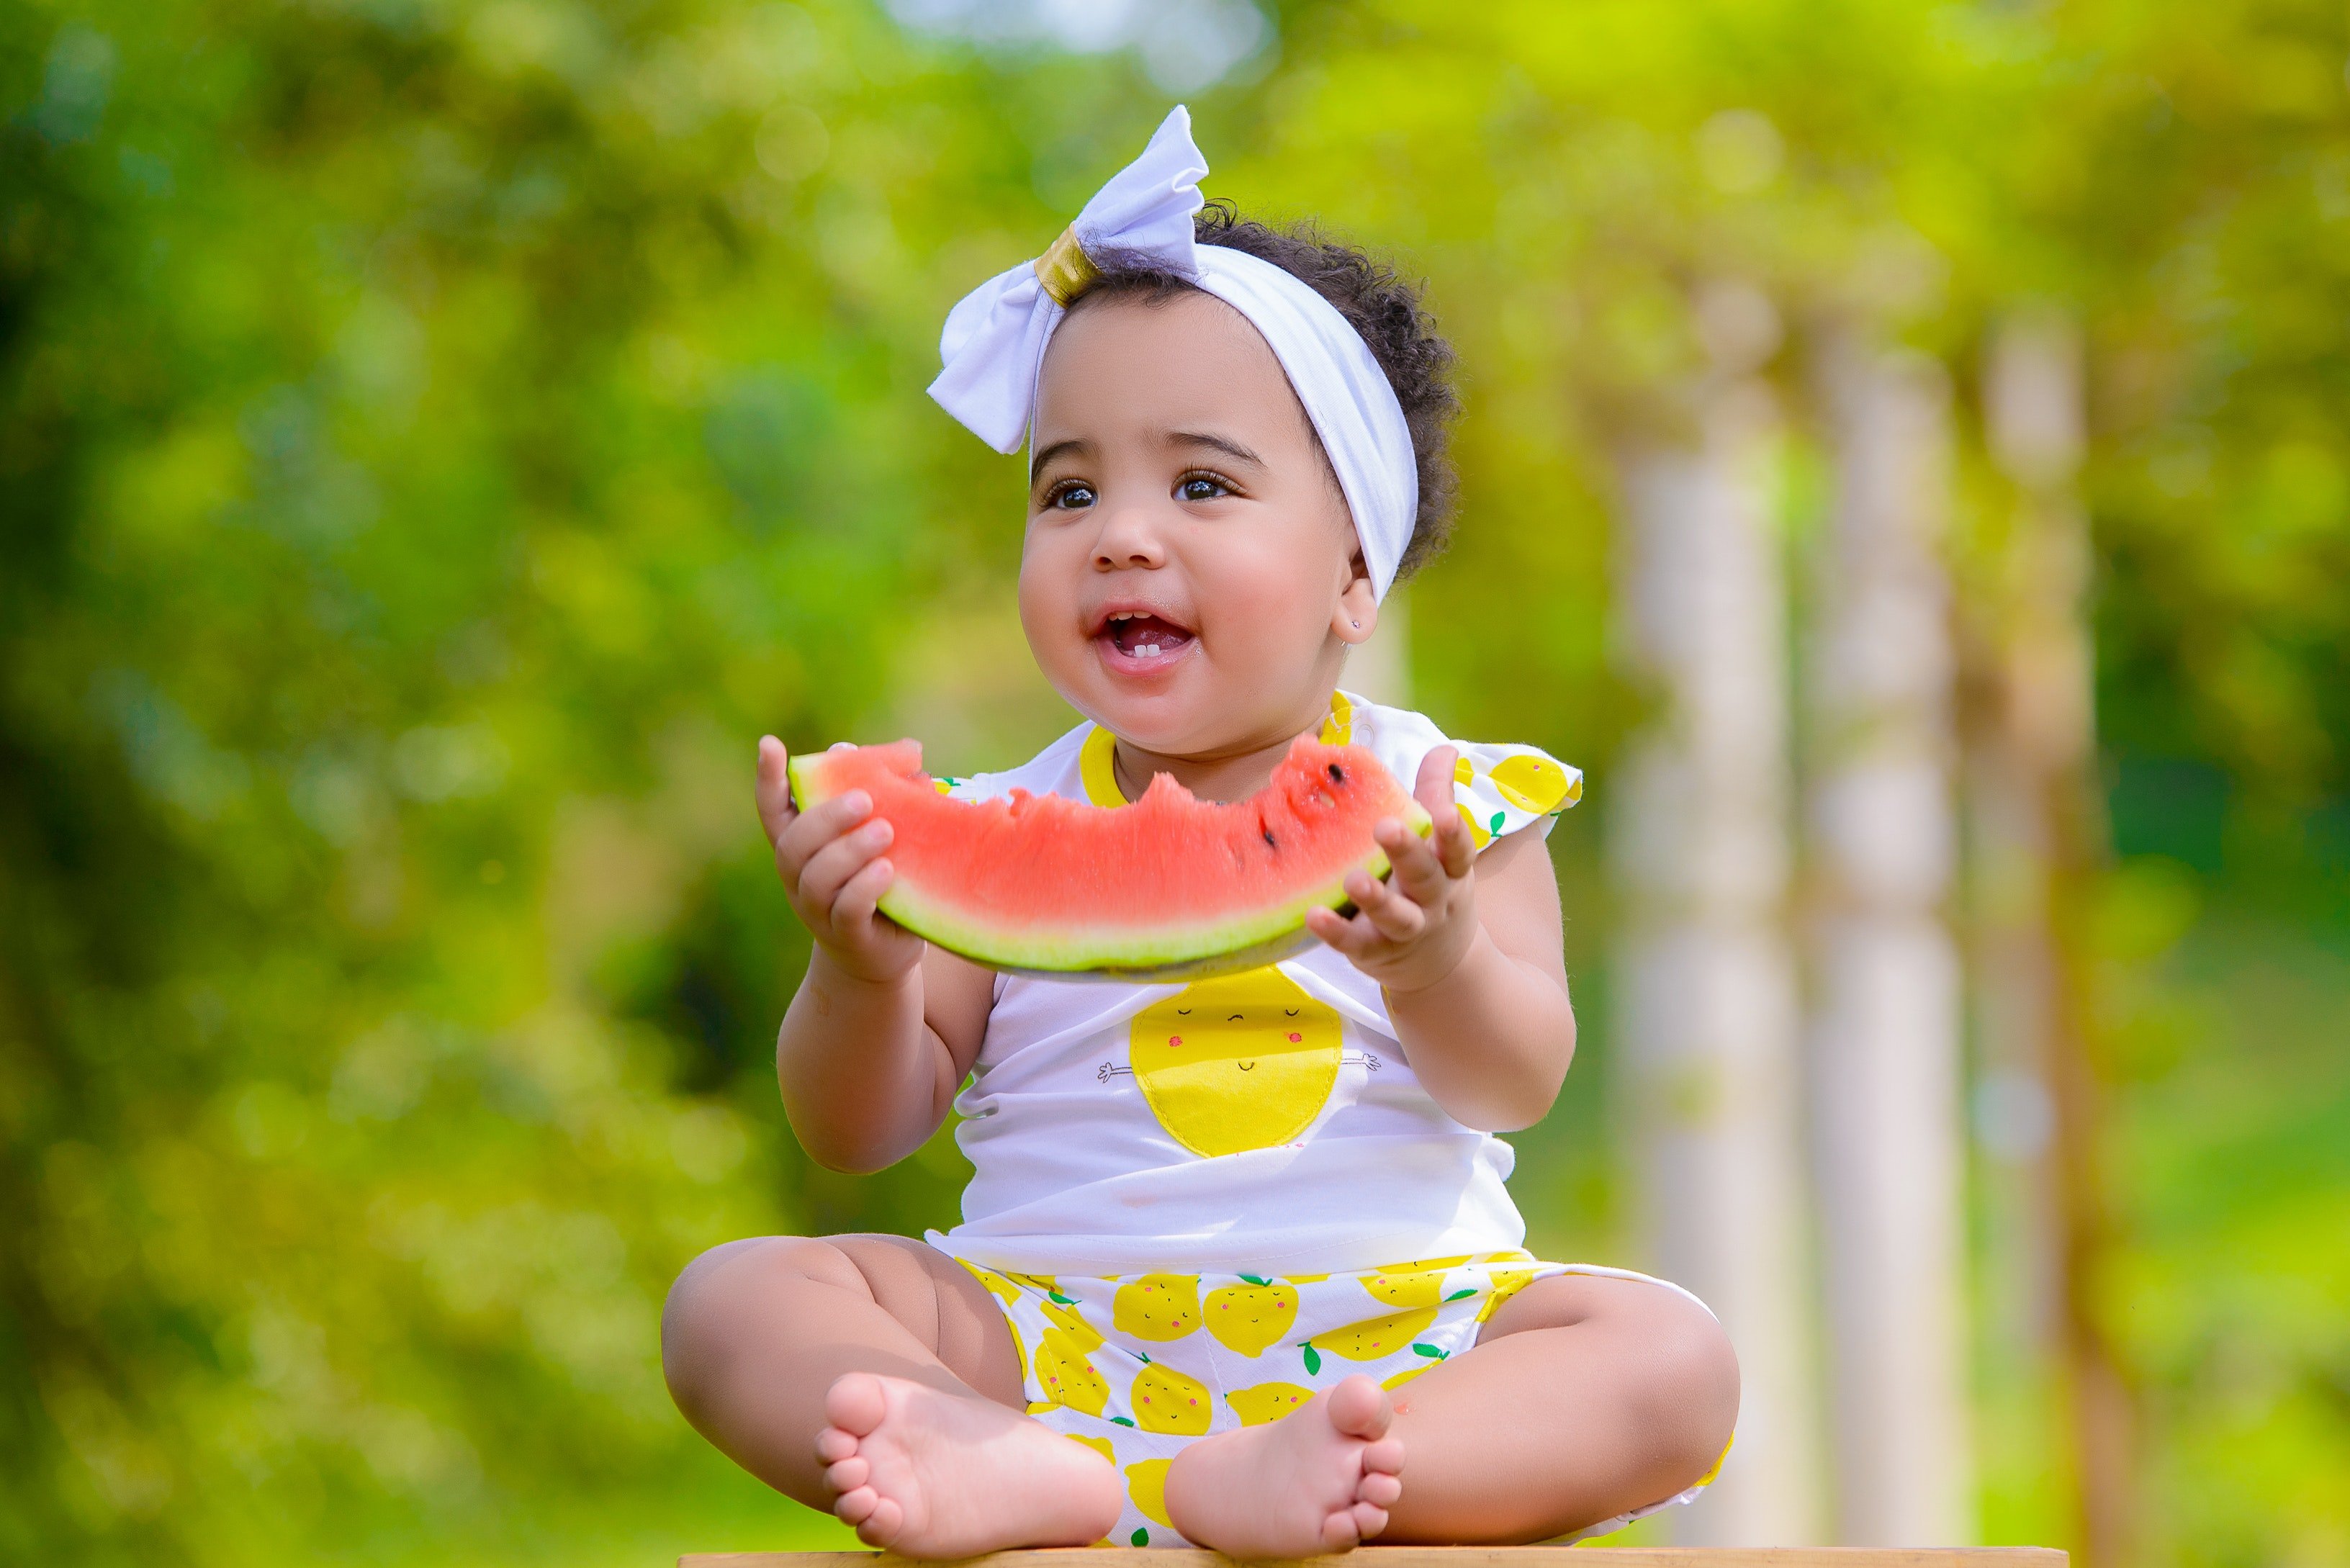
1321 1479
926 1473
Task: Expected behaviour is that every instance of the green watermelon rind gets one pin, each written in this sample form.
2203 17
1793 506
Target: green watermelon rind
1245 941
1193 953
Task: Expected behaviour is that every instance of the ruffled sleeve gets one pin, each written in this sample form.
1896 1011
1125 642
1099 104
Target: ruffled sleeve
1498 788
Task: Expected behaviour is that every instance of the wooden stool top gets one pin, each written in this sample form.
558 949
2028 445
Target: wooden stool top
1440 1557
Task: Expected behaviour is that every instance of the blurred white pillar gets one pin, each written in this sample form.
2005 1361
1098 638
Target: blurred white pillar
1699 838
1888 1109
2036 772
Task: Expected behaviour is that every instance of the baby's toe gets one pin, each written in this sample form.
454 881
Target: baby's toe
833 1444
855 1404
1368 1521
856 1505
845 1475
1379 1489
1386 1456
882 1525
1359 1407
1340 1532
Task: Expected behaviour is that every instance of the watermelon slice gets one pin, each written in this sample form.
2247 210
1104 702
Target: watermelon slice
1169 887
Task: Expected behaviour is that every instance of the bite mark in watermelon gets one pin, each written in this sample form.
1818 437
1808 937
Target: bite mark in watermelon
1171 886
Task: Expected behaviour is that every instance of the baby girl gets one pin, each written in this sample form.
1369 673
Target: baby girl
1276 1308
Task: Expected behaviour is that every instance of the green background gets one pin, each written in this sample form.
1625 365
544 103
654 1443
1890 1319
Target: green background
437 439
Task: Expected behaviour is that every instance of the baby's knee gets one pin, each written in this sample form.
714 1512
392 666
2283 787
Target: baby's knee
732 1294
1693 1394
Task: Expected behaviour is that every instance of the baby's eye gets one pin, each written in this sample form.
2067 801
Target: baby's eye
1070 495
1201 487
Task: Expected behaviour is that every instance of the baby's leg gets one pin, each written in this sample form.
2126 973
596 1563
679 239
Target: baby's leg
873 1376
1586 1396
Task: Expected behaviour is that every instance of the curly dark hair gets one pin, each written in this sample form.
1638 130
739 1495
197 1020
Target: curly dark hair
1383 308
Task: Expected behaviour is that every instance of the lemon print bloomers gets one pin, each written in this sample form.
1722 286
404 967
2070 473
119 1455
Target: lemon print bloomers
1137 1365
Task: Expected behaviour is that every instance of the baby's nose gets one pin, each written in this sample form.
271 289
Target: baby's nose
1128 537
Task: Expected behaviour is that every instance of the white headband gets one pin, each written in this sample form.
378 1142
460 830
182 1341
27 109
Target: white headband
994 340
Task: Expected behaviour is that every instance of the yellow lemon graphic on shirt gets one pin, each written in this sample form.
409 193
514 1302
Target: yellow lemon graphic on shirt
1156 1306
1165 1400
1266 1402
1146 1483
1411 1284
1252 1315
1067 1376
1374 1337
1240 1061
1533 783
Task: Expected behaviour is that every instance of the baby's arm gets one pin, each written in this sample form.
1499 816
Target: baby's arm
883 1026
1468 950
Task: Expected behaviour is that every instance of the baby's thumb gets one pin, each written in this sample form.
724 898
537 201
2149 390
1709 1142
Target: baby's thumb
773 791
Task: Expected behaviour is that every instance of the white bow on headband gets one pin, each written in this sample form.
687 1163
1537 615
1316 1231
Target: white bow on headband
994 341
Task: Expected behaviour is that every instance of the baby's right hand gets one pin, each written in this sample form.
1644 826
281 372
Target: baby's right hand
830 861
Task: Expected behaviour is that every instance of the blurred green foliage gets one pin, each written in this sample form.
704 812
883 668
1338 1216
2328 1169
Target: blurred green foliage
436 439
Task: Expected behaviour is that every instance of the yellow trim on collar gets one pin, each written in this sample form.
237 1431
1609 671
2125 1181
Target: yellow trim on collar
1338 727
1098 768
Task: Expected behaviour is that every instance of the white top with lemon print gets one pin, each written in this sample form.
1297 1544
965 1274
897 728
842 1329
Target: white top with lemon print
1265 1121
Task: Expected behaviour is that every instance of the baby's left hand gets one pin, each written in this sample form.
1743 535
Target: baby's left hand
1408 932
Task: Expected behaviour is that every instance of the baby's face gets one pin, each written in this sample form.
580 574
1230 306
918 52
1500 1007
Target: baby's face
1191 579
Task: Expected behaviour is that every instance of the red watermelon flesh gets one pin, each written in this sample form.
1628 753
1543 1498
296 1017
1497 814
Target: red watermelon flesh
1170 886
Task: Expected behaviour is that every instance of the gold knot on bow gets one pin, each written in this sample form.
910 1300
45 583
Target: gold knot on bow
1065 270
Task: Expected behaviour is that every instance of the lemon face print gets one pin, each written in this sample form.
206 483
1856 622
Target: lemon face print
1374 1337
1535 783
1411 1284
1240 1061
1156 1306
1407 1375
1266 1402
1165 1400
1099 1444
1252 1316
997 1285
1146 1483
1067 1376
1077 1328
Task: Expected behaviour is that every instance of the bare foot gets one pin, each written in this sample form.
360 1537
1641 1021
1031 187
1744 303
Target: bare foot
931 1474
1321 1479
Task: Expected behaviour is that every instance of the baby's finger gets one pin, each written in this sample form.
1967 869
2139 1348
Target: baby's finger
829 868
773 789
1392 916
1433 788
1349 938
1396 918
813 829
1419 871
1455 849
853 907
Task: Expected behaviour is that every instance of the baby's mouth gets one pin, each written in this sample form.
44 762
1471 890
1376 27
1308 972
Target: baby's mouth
1141 637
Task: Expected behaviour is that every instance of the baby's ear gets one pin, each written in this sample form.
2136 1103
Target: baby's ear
1357 615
